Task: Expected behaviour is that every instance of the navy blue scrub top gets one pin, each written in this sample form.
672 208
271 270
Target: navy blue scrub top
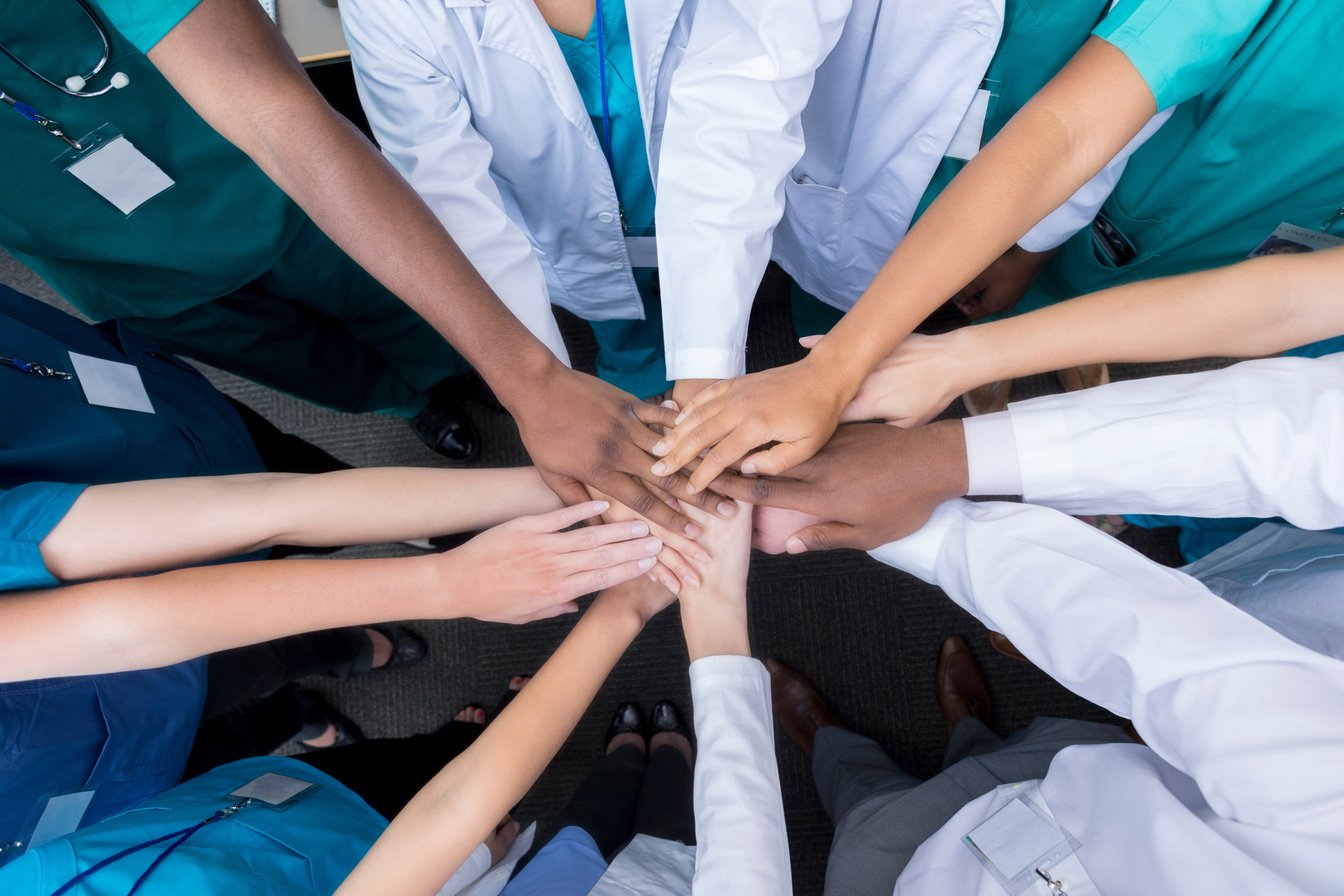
127 736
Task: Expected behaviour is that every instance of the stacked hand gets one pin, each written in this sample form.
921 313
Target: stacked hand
530 569
916 382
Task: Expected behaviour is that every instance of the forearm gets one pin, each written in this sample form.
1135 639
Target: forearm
1252 309
132 527
1064 136
142 623
441 826
272 112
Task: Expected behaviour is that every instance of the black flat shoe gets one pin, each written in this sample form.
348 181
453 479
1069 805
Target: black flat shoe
445 427
317 715
408 648
668 718
626 720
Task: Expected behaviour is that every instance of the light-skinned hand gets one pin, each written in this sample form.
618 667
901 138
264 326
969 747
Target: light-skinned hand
529 568
772 527
916 382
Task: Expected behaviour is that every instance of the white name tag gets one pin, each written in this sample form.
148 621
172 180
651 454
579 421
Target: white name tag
273 789
111 384
966 141
643 251
61 816
1289 239
121 174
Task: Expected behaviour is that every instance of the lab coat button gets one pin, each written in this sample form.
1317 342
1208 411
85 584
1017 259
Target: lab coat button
616 265
606 217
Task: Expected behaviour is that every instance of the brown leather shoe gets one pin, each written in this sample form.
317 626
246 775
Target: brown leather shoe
799 707
988 398
1006 647
1089 376
962 692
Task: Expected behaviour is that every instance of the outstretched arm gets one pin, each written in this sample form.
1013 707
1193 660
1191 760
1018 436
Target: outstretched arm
230 63
1251 309
523 570
742 845
134 527
455 811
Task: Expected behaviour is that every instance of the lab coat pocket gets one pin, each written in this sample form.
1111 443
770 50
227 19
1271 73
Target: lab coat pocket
813 214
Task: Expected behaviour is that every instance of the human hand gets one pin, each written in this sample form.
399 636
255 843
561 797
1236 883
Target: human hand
916 382
797 405
874 483
684 391
529 568
645 598
1000 286
580 430
679 556
771 527
502 838
714 615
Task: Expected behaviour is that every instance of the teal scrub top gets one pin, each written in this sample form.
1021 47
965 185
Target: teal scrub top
1257 139
27 516
304 848
221 225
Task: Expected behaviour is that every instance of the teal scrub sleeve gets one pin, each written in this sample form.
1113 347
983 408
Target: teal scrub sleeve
1180 47
145 22
27 515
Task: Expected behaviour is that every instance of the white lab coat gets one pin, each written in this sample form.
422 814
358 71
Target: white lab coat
877 115
1241 789
474 104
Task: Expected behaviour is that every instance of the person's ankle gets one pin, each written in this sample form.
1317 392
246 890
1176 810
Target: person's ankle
675 740
382 648
628 739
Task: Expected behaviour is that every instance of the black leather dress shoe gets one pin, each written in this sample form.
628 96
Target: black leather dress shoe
445 427
668 718
626 720
408 648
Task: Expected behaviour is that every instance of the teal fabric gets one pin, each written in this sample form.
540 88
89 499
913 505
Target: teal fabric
630 352
569 865
303 849
145 22
1182 47
27 515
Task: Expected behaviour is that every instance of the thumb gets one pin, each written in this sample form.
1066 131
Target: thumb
821 537
780 459
810 342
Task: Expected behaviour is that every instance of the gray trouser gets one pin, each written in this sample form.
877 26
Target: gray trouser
883 814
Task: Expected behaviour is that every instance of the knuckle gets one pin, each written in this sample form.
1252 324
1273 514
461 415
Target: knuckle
609 448
603 557
761 490
601 579
821 540
645 504
587 539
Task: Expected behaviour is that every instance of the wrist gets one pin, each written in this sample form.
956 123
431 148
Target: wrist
527 379
970 358
947 451
714 626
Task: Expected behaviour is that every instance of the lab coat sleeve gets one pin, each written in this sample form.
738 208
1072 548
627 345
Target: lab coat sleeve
1214 692
1079 210
1258 439
742 847
423 123
731 135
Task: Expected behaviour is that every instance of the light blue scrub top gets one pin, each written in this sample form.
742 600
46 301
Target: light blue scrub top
631 352
303 849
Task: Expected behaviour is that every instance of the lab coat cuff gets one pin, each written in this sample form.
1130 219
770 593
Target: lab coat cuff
918 553
705 363
709 670
1045 236
991 455
1045 453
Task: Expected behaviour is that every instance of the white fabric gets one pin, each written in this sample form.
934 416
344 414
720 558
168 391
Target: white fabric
991 455
1241 789
742 845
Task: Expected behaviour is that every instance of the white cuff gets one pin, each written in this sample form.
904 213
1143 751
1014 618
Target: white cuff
705 363
917 553
991 455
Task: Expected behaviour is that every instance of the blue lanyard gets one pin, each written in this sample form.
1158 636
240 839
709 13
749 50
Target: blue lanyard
182 836
602 83
51 126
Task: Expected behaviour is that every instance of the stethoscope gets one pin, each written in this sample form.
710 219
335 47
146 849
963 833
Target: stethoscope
75 84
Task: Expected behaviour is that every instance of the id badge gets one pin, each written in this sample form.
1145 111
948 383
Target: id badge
1020 843
277 791
115 169
61 814
1289 239
111 384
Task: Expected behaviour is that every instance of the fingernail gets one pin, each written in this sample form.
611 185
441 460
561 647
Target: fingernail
660 469
653 578
795 546
639 530
647 563
693 531
748 469
701 557
653 546
660 449
601 506
727 508
672 585
690 488
691 580
669 404
680 417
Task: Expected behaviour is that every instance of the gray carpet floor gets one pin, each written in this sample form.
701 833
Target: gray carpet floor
866 634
